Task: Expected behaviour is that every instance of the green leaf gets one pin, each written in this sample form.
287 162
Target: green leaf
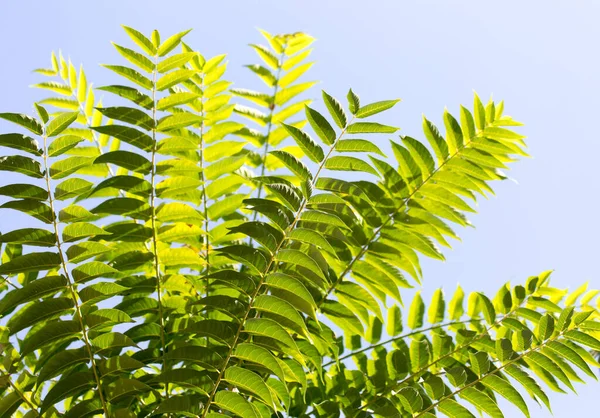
545 327
293 291
299 258
84 250
42 113
293 164
119 364
63 168
23 165
129 115
21 142
56 87
32 291
126 159
455 307
38 312
67 387
135 58
421 155
24 121
320 125
87 408
487 308
63 144
335 110
357 145
482 402
199 355
370 128
176 99
140 40
309 236
249 382
80 230
528 383
173 78
24 191
111 340
416 312
235 403
339 163
60 123
267 56
394 321
280 308
175 61
127 134
62 361
568 353
545 363
437 307
29 236
507 391
453 409
131 94
436 140
453 133
581 338
71 187
374 108
31 262
171 43
268 328
178 120
259 355
35 208
353 102
306 143
91 270
131 75
294 74
184 405
53 331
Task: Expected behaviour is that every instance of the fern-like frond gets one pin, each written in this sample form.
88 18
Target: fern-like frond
519 340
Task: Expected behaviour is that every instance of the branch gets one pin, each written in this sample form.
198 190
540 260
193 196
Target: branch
153 226
263 277
401 337
71 285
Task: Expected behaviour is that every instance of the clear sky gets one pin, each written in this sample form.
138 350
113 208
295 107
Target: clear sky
541 57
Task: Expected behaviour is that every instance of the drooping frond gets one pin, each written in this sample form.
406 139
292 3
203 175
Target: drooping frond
508 347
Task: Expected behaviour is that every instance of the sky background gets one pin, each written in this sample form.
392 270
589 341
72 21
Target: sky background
542 58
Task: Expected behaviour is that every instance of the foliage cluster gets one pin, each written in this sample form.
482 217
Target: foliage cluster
201 250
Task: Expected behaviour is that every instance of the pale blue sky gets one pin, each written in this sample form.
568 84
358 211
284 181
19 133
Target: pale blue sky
542 58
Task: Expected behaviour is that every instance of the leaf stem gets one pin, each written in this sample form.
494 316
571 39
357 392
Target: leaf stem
71 285
204 197
153 226
401 337
270 123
